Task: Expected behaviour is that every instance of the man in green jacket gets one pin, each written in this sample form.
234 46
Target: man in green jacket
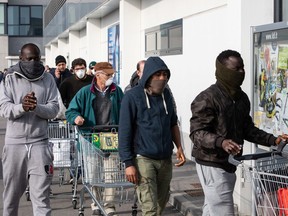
97 104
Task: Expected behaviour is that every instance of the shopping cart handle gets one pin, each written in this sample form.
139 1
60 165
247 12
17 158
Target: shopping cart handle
101 128
236 160
253 156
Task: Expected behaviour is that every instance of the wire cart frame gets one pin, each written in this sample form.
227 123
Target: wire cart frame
269 178
103 174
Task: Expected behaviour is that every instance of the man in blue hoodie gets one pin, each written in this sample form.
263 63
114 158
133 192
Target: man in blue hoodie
28 98
147 129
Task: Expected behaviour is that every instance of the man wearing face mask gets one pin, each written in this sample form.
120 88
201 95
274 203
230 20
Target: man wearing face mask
219 125
71 85
28 98
147 129
97 104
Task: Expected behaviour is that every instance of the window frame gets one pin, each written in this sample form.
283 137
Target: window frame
162 39
20 27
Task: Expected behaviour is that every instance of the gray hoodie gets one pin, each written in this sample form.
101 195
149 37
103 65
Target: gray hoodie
27 127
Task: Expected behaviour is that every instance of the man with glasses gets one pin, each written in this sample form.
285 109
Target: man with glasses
97 104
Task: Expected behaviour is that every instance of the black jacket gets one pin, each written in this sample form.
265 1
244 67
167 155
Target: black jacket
65 74
215 117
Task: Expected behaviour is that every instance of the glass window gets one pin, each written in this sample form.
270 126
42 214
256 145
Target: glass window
25 20
13 30
13 15
2 19
2 28
24 30
1 13
150 42
175 37
166 39
36 12
24 15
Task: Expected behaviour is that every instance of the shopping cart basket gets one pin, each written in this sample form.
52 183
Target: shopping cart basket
61 136
103 174
269 177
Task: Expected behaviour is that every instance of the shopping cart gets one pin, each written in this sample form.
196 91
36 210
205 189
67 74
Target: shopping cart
269 178
61 136
103 174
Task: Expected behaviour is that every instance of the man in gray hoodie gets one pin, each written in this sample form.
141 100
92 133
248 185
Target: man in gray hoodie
28 98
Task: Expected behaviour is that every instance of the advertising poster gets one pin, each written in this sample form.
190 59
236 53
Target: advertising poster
271 73
114 50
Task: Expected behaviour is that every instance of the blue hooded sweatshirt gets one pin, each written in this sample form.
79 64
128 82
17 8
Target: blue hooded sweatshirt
145 120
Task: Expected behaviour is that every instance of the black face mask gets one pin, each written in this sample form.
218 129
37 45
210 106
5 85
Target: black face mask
31 69
156 87
230 79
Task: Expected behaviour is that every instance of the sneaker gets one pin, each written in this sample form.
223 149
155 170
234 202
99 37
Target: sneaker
110 211
71 181
96 212
95 209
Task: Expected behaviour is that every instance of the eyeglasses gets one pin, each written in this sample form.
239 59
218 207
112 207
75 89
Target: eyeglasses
107 75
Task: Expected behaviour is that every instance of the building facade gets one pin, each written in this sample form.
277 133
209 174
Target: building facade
20 22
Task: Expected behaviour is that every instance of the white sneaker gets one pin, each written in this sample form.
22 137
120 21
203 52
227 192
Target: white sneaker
95 209
110 211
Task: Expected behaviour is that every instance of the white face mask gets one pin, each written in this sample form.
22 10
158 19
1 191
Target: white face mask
109 81
80 73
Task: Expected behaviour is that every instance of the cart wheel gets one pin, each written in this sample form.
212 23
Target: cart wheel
28 196
134 212
74 203
61 180
81 214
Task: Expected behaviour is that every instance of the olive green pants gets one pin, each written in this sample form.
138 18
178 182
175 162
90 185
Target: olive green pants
154 184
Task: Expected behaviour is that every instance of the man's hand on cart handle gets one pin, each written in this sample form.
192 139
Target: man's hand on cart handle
131 174
231 147
79 120
283 137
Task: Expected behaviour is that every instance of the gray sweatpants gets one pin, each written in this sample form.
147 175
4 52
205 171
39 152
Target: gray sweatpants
23 163
218 186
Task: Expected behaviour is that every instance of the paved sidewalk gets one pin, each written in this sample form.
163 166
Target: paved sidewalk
186 191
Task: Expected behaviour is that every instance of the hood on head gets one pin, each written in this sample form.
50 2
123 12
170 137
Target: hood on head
152 65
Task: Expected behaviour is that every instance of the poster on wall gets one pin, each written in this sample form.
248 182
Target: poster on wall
114 51
271 80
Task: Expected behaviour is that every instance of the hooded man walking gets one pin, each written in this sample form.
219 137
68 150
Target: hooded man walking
147 129
28 98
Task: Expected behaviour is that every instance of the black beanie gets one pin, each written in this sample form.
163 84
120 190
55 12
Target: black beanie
59 59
